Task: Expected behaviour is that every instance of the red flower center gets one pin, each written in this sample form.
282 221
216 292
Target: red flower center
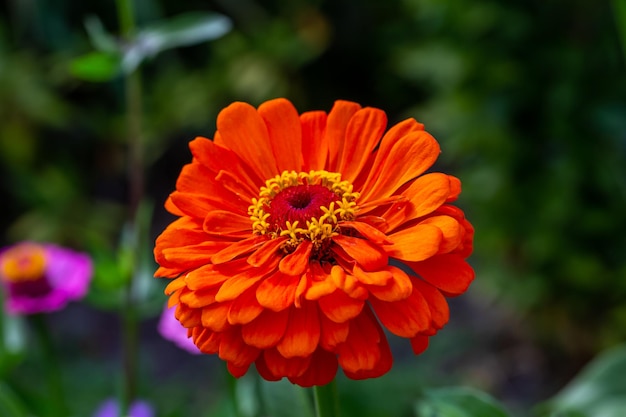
299 203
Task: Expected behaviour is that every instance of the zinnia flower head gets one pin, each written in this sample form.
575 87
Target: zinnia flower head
41 278
289 232
172 330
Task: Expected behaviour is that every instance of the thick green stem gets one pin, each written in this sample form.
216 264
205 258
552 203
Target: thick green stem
326 400
57 404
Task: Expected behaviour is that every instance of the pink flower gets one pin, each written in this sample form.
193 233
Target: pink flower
138 408
40 278
172 330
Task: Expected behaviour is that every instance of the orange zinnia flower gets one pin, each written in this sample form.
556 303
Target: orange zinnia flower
289 225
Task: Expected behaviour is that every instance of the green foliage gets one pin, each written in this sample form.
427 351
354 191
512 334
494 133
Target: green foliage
598 391
525 97
458 402
114 58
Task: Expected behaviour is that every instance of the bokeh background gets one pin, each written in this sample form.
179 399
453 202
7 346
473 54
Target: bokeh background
526 97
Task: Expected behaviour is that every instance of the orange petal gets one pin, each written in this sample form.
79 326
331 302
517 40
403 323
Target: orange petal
404 318
235 351
266 330
188 317
377 278
451 230
347 283
339 307
266 252
189 257
423 196
450 273
237 371
238 248
408 158
397 288
361 350
234 286
364 252
367 231
364 131
232 182
204 277
419 344
303 332
175 285
297 262
192 204
415 243
225 223
337 123
439 311
455 188
243 131
285 367
314 147
215 316
277 292
198 299
319 281
301 289
218 158
244 308
321 370
285 132
207 340
383 365
332 333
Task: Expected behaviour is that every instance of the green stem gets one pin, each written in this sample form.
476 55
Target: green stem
57 404
619 11
326 400
134 110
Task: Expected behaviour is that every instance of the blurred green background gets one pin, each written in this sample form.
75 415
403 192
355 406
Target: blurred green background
526 97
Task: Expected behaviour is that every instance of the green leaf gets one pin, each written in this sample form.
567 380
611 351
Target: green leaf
101 39
599 390
183 30
458 402
96 66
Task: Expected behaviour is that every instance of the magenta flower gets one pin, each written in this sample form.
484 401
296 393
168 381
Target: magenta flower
138 408
40 278
172 330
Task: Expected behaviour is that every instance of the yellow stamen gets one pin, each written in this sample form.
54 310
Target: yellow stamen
317 230
25 262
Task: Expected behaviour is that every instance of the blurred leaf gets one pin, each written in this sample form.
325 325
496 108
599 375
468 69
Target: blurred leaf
96 66
101 39
458 402
184 30
10 404
599 390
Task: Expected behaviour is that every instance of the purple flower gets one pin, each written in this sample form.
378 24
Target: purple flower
138 408
171 329
40 278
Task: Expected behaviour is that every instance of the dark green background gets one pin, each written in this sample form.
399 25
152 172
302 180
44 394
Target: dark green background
528 102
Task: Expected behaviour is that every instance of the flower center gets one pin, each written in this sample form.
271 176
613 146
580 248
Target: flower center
299 203
305 205
23 263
